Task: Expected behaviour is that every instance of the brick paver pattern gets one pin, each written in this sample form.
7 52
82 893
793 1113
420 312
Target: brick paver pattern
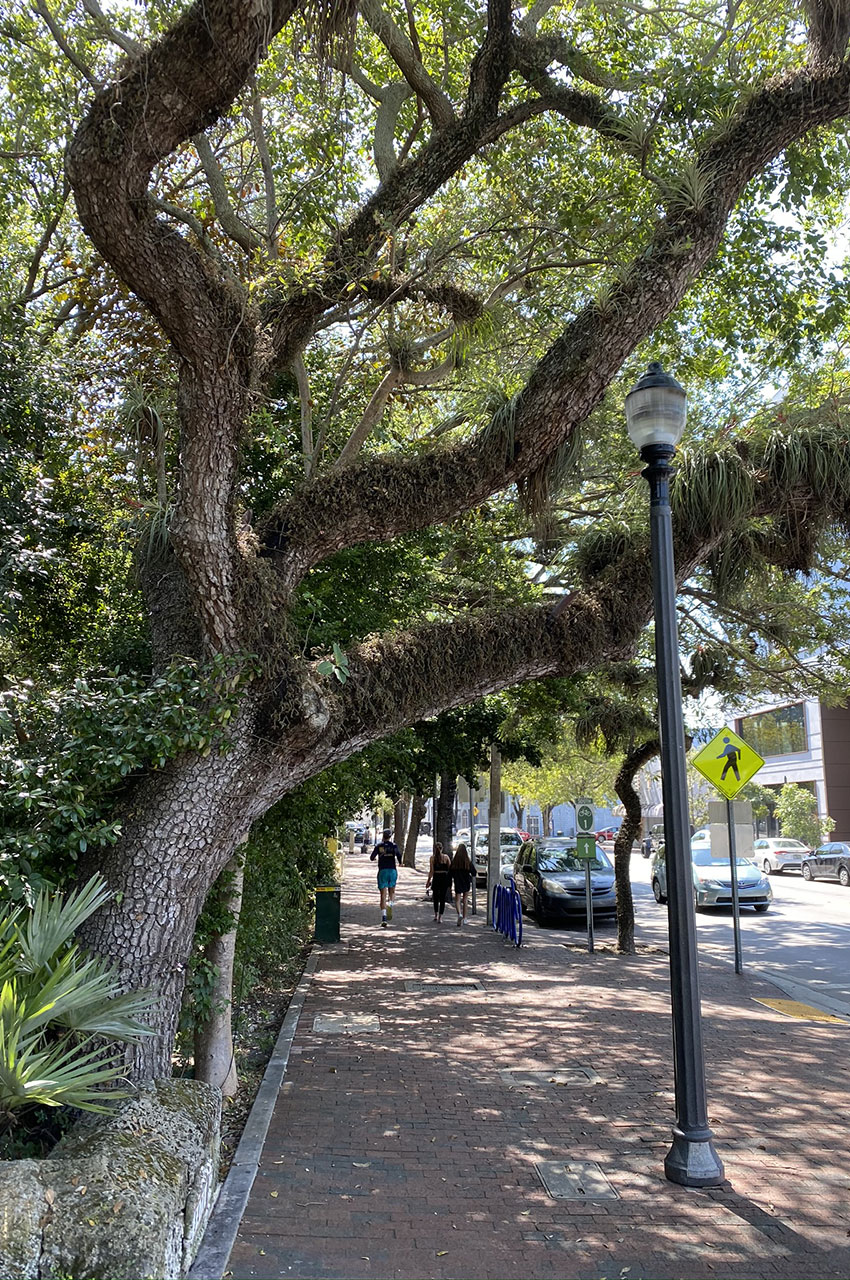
407 1153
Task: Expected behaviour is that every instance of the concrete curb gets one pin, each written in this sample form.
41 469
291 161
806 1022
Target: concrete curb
804 993
211 1258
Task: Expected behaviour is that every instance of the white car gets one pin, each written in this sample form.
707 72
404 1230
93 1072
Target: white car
778 855
510 842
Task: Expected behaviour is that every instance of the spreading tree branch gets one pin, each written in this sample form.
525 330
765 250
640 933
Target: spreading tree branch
570 381
170 93
406 58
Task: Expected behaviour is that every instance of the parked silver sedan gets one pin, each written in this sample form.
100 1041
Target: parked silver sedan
712 879
779 854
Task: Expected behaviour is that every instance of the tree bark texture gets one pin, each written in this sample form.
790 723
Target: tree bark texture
445 811
546 811
401 810
628 833
417 813
215 1062
180 829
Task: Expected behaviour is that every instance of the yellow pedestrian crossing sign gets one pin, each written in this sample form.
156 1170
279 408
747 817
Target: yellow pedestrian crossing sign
728 763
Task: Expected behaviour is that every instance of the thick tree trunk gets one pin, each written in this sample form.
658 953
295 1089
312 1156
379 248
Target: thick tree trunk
400 814
628 833
417 813
215 1062
519 810
546 811
445 810
181 826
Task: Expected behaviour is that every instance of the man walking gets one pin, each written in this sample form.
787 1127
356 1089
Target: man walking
731 754
387 853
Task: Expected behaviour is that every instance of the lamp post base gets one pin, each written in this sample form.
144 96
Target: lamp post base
693 1164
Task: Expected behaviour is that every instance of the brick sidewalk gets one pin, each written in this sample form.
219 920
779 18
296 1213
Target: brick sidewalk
406 1152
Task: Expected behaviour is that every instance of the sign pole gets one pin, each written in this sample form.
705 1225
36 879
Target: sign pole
586 850
728 763
733 861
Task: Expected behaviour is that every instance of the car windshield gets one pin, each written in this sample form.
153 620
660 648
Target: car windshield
703 858
561 859
788 844
507 840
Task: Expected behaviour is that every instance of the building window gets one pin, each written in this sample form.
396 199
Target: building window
533 826
780 732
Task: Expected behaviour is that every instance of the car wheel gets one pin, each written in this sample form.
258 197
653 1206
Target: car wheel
539 913
844 877
761 907
766 867
807 872
656 889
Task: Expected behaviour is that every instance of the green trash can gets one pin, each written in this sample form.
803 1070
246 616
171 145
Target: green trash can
327 912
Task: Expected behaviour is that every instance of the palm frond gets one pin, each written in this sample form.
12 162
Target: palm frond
50 996
60 1075
54 920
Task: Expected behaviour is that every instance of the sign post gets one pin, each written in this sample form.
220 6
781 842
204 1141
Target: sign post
586 850
728 763
472 811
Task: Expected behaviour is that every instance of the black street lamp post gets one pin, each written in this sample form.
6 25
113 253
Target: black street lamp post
656 409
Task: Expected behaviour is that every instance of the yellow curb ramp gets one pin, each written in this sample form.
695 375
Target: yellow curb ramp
796 1009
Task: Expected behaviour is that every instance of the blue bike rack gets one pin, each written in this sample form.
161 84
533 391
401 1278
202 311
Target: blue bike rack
507 913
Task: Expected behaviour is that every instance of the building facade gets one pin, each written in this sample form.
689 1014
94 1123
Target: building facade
806 743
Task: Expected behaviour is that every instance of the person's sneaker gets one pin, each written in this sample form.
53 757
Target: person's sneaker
383 924
459 921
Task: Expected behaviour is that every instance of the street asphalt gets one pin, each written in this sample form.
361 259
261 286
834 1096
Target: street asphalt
431 1074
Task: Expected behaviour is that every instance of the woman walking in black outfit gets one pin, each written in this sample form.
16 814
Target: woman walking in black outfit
462 879
439 879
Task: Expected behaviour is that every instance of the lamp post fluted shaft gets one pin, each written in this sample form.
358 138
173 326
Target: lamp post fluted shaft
692 1160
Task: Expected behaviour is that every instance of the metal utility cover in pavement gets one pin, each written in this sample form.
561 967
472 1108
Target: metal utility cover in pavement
575 1180
330 1024
560 1076
441 988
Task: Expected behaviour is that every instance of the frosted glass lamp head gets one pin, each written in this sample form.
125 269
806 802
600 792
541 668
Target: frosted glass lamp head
656 409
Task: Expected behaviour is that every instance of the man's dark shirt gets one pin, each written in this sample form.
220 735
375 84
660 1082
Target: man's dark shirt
386 852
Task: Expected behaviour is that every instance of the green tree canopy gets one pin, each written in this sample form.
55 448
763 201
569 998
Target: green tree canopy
360 386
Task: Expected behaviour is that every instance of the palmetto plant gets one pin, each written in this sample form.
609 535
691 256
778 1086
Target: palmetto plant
59 1008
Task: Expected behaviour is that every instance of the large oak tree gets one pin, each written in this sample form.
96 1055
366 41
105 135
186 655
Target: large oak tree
674 115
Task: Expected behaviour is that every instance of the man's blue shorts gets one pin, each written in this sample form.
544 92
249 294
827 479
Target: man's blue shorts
387 877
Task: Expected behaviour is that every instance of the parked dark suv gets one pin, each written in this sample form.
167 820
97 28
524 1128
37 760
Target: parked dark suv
550 880
829 862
